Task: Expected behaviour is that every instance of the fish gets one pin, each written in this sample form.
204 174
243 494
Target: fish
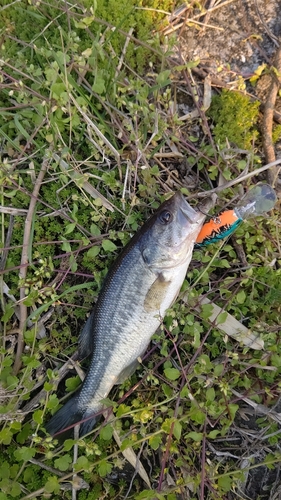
141 285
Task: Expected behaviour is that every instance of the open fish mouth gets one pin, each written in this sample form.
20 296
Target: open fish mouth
195 215
188 213
207 204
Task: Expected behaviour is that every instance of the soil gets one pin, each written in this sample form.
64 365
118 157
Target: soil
232 42
245 35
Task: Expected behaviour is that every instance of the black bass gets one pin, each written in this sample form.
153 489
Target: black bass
141 285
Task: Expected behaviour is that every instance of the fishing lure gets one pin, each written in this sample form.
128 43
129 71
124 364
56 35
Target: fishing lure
258 200
219 227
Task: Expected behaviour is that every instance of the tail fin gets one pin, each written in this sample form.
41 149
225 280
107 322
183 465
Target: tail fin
66 416
88 425
69 415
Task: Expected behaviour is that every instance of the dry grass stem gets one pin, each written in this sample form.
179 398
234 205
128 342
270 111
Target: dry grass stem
259 408
96 130
85 185
169 31
124 52
13 211
209 11
24 263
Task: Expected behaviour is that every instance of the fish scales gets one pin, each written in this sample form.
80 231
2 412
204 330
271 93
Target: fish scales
141 285
130 317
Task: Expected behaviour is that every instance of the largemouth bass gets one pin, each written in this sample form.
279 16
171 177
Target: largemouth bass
141 285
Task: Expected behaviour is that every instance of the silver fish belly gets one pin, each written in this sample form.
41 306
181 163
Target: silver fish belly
142 284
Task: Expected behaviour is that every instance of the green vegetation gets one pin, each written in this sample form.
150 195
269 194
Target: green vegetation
92 111
235 118
276 133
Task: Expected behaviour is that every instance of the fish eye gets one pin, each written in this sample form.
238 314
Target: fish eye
165 217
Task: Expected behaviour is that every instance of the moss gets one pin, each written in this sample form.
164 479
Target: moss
276 133
235 118
48 16
133 14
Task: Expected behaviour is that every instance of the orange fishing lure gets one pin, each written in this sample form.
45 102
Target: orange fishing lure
218 228
258 200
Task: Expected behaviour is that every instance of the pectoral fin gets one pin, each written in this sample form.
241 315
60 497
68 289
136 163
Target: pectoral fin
156 294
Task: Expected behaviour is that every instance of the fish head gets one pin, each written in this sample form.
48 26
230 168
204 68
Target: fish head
170 234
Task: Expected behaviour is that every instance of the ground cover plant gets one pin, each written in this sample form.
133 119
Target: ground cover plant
91 142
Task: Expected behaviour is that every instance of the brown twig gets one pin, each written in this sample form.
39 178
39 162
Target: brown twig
240 252
267 121
206 17
183 22
24 264
276 114
269 33
203 464
44 466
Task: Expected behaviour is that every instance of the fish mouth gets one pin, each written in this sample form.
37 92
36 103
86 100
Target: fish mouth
188 213
195 216
207 204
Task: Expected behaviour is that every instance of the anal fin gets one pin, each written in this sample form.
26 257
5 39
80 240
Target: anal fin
127 372
86 339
